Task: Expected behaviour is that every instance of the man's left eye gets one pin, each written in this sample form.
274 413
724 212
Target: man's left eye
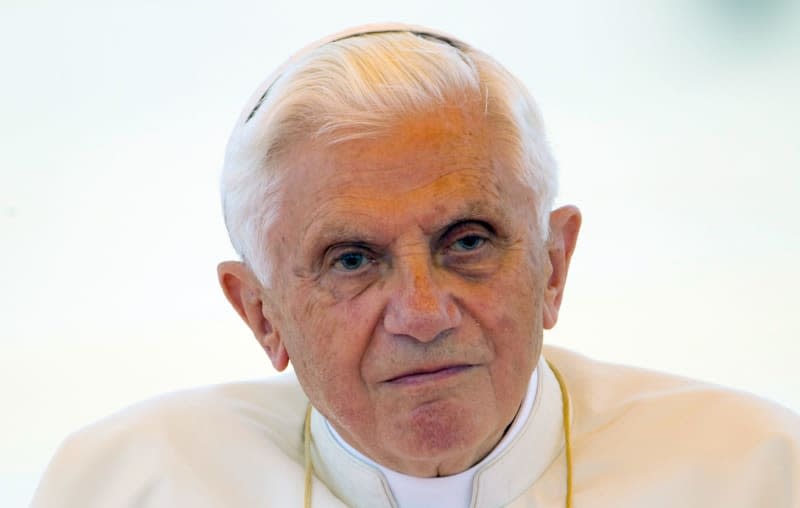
469 242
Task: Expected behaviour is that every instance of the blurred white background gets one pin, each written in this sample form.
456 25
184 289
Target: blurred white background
675 123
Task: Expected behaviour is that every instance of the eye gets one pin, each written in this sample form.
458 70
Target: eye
468 243
351 261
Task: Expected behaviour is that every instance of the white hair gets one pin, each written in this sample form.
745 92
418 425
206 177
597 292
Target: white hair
358 84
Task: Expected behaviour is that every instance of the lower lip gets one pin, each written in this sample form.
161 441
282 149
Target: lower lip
414 379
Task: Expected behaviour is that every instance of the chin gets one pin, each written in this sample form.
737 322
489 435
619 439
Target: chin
444 432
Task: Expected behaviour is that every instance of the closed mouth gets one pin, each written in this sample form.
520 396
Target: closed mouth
423 375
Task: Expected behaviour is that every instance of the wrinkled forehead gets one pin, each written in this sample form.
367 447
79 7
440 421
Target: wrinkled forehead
253 105
444 157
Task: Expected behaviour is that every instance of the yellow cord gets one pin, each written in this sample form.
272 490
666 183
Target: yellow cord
565 411
307 454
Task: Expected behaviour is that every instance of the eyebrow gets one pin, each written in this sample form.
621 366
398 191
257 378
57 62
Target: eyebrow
323 233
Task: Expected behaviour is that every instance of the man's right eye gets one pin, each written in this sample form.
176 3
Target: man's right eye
351 261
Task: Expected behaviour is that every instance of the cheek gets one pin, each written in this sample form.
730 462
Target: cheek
303 332
327 339
511 300
327 352
509 312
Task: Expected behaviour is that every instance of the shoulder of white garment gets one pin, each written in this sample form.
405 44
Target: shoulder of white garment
227 445
636 432
601 390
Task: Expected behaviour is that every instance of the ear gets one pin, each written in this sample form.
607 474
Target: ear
565 223
245 294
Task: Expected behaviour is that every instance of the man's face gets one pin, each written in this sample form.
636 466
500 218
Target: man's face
408 289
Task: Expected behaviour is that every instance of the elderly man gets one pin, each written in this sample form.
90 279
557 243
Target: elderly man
389 191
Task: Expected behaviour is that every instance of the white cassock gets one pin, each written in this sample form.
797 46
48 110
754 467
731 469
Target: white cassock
639 439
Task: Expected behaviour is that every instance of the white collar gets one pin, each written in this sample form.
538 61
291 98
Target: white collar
523 455
453 491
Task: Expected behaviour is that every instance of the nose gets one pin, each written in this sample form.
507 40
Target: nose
418 307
